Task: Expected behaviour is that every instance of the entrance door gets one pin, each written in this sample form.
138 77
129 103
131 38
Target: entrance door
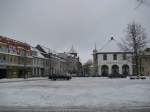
104 71
3 73
115 70
125 70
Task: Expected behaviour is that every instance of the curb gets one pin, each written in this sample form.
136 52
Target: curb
23 80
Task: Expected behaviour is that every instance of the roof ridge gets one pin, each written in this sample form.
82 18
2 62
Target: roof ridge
110 46
105 44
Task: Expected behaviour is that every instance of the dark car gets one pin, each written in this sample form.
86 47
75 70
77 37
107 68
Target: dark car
59 77
2 76
117 75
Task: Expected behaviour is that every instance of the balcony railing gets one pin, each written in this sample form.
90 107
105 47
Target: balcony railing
2 62
3 50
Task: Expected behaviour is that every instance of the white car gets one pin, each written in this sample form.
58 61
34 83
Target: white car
137 77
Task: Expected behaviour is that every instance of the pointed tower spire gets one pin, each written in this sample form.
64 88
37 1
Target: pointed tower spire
73 51
95 61
95 46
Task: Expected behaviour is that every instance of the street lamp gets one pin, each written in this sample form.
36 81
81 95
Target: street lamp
24 62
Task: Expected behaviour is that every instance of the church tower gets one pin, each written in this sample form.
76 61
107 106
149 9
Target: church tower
95 61
73 51
95 55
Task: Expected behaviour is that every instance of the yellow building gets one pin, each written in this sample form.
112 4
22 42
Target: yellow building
144 61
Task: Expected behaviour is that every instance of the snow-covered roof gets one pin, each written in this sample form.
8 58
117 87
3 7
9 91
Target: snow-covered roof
65 55
48 50
38 53
110 46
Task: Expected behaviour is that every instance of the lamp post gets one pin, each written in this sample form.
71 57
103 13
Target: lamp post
24 62
49 56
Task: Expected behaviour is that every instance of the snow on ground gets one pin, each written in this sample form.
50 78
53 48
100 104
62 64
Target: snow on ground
92 92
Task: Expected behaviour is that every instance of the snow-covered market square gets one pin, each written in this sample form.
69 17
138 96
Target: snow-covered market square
77 95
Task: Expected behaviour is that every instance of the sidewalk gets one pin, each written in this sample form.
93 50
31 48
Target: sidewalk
22 79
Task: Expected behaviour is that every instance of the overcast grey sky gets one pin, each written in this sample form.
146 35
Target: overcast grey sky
59 24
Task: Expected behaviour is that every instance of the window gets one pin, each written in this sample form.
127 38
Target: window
145 59
115 56
4 58
124 56
14 59
142 69
105 57
11 59
34 71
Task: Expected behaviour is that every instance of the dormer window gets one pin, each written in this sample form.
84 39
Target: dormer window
115 56
105 57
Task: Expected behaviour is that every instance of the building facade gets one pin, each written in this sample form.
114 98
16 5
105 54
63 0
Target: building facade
74 66
40 63
21 60
144 62
53 63
61 63
111 60
15 58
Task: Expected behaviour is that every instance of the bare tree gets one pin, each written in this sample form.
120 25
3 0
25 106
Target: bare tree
135 42
142 2
86 67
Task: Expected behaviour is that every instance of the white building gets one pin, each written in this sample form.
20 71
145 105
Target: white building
110 59
40 63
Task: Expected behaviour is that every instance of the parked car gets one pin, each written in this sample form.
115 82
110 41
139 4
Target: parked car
59 77
132 77
1 76
117 76
143 77
137 77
